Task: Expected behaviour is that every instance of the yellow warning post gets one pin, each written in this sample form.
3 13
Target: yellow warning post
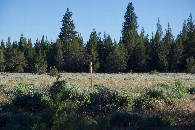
91 74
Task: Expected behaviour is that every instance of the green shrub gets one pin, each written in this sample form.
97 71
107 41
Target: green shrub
104 101
61 91
191 90
154 72
4 117
23 120
135 121
30 103
53 71
190 66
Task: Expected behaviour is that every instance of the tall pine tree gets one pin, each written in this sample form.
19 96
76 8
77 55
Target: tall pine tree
40 64
2 61
176 55
92 50
129 33
139 53
116 60
58 55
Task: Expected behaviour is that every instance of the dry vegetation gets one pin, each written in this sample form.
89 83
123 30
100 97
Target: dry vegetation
124 80
168 96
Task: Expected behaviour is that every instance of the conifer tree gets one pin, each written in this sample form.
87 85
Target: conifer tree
68 32
92 50
2 47
155 59
59 58
165 47
116 60
190 65
40 64
22 44
30 56
104 51
139 63
2 61
190 32
176 55
129 33
15 61
75 60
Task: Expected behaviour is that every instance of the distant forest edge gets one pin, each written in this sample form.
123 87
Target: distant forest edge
133 53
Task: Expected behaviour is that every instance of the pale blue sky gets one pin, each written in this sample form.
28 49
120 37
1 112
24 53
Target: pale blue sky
35 18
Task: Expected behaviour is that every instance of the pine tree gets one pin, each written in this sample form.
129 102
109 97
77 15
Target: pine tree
116 60
92 50
104 50
2 47
29 56
2 61
130 23
15 61
67 33
76 58
190 66
59 59
40 64
165 48
129 33
190 32
139 64
155 56
22 44
176 55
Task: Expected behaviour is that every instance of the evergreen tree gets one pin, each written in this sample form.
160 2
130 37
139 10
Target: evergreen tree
176 55
192 52
190 32
116 60
38 46
15 61
155 56
22 44
59 58
67 33
2 61
29 56
2 47
139 53
75 60
190 66
92 50
129 33
130 23
165 48
104 50
40 64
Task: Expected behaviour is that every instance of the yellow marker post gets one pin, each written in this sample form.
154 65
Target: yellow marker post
91 74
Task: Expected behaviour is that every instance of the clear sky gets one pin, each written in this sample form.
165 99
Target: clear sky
35 18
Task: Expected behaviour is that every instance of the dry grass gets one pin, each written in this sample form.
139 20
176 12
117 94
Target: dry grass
124 80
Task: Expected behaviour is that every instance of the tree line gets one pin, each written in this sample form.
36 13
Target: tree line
133 53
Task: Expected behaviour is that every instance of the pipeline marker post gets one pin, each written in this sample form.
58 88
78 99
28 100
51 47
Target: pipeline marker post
91 74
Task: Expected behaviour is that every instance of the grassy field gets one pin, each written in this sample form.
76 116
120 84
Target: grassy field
153 100
122 80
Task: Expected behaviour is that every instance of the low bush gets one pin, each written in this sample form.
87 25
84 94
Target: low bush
53 71
191 90
135 121
61 91
104 101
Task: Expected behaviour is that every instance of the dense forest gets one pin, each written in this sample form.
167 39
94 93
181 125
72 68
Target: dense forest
133 53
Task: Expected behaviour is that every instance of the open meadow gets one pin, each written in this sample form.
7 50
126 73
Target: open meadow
123 100
124 80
